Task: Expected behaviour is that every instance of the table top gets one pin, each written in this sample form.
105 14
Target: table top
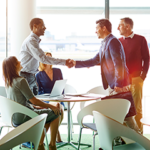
145 121
81 98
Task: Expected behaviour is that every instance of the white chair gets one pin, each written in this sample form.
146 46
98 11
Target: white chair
2 125
9 107
108 128
3 91
28 131
96 90
108 107
70 89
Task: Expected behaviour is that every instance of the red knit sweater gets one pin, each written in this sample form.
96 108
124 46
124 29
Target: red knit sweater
137 55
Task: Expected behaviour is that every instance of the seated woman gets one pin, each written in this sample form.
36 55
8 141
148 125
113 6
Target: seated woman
46 78
17 89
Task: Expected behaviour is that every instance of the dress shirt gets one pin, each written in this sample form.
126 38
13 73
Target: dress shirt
31 54
103 42
130 36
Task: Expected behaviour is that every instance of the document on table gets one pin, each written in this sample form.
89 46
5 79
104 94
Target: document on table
90 95
47 98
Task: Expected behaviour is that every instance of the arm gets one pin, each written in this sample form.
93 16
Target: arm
24 88
40 88
117 55
145 58
39 55
88 63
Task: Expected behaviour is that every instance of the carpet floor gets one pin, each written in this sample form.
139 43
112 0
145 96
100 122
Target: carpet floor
86 138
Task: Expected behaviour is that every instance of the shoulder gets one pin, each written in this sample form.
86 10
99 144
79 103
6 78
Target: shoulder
137 36
56 70
19 81
114 41
40 73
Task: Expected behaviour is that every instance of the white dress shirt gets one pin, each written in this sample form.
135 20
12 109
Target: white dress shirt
31 54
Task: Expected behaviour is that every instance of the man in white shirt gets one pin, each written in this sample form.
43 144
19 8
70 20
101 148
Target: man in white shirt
31 54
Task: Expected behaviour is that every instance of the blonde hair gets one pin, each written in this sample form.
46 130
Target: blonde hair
43 66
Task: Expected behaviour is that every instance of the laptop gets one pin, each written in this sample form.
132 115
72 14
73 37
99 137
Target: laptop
57 90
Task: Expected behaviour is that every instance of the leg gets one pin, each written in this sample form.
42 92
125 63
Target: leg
131 123
61 118
137 85
43 136
54 129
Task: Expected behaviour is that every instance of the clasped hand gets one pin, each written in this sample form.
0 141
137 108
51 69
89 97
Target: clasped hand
70 63
56 109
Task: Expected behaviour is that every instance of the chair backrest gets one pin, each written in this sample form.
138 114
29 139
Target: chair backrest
69 89
3 91
108 128
95 90
29 131
99 90
116 108
9 107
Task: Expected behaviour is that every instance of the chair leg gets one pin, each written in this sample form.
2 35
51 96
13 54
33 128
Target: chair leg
31 145
79 138
94 140
71 122
46 139
1 129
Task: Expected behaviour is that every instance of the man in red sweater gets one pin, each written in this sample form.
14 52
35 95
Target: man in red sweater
137 60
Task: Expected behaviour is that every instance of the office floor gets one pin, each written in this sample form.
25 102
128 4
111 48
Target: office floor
86 138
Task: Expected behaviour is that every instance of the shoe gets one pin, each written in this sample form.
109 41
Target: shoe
59 142
65 108
118 141
28 145
41 147
52 147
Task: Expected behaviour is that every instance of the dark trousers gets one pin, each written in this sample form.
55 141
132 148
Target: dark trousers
31 81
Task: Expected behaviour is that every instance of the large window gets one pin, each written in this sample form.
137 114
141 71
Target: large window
139 11
70 27
2 36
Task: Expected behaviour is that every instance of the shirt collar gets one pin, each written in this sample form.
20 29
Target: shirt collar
130 36
104 40
36 37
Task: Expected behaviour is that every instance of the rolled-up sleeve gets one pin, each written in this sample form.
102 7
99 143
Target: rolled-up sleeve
39 54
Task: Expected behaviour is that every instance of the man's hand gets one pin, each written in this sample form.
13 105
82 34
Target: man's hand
70 63
118 89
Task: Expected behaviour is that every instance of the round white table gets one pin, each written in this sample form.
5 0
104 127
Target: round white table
70 99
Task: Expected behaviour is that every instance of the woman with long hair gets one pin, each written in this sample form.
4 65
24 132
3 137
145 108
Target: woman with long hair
17 89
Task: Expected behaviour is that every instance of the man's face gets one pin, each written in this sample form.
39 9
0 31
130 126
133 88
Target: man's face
122 27
40 28
99 31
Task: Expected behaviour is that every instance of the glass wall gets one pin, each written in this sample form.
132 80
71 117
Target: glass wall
2 36
139 11
71 34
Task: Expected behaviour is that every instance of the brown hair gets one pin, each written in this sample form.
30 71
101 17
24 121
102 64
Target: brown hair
43 66
128 20
35 21
106 23
9 67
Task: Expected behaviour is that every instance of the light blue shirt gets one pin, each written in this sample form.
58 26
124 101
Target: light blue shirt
31 54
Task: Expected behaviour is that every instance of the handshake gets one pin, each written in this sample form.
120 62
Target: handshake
70 63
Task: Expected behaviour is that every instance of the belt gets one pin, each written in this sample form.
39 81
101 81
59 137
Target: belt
27 73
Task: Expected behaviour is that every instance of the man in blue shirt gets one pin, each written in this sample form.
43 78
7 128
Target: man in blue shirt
111 57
